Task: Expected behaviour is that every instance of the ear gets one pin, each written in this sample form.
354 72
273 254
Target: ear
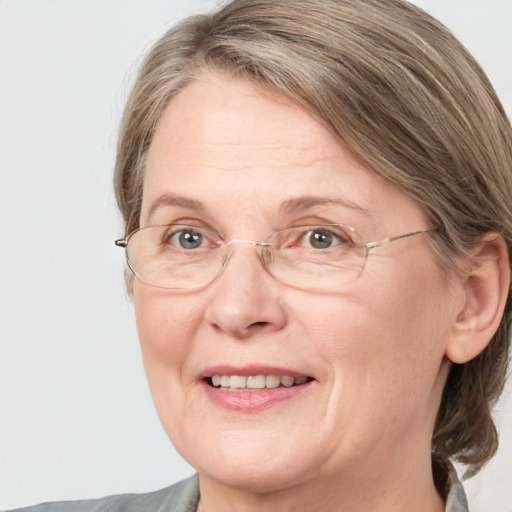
485 283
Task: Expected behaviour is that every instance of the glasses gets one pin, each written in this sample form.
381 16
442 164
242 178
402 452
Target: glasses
312 257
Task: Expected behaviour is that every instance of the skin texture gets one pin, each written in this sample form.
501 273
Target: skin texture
358 438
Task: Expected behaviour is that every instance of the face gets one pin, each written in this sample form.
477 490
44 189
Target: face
246 162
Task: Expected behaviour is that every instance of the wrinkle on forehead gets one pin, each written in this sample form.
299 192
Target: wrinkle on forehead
233 155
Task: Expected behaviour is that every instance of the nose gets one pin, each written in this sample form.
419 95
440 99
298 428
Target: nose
245 298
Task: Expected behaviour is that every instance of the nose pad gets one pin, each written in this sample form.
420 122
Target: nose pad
244 302
264 249
267 256
225 260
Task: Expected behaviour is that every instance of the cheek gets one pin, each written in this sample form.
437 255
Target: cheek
166 326
410 319
386 335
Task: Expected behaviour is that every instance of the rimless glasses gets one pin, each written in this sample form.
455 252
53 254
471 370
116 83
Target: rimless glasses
311 257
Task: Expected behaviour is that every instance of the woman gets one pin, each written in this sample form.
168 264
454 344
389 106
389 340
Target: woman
317 202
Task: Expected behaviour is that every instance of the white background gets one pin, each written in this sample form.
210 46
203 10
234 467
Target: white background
76 418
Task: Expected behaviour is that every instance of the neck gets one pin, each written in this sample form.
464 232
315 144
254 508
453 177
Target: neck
380 490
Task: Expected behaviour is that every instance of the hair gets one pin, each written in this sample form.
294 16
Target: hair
401 93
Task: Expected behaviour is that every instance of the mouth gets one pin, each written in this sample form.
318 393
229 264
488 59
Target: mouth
239 383
253 388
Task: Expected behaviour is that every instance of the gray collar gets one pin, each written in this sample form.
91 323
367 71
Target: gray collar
456 500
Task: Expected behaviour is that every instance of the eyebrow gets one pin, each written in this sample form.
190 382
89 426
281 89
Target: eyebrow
289 206
174 200
306 202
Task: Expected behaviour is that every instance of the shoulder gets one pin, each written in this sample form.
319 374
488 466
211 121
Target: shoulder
180 497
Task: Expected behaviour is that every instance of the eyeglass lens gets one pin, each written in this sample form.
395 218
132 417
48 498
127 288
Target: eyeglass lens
183 257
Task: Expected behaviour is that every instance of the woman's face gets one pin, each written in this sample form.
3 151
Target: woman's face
247 162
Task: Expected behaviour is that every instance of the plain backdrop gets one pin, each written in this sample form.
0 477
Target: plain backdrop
76 418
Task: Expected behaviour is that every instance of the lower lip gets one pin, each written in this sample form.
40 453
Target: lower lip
253 400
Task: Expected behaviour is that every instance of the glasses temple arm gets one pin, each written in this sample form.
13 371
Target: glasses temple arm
371 245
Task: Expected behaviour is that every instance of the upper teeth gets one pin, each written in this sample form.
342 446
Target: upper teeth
256 381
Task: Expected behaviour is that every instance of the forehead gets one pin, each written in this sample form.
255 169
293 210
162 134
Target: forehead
230 146
217 116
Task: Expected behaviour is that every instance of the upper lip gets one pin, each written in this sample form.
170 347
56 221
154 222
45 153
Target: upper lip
249 370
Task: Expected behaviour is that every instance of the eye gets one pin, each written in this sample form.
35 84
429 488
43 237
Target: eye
190 239
321 238
186 237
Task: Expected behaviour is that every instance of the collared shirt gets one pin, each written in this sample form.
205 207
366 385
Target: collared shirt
184 497
456 500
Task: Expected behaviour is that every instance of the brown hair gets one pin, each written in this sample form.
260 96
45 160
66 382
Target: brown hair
405 97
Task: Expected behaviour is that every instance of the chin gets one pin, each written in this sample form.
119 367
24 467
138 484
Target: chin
256 467
261 478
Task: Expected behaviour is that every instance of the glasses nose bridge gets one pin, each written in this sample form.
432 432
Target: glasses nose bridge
248 242
231 244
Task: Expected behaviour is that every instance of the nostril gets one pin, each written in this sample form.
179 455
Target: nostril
257 328
259 324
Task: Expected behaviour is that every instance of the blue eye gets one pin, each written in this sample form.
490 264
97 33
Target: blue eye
190 239
186 238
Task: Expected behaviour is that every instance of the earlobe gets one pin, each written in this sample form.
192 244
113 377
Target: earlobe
485 284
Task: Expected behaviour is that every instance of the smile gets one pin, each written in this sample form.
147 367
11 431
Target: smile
254 382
